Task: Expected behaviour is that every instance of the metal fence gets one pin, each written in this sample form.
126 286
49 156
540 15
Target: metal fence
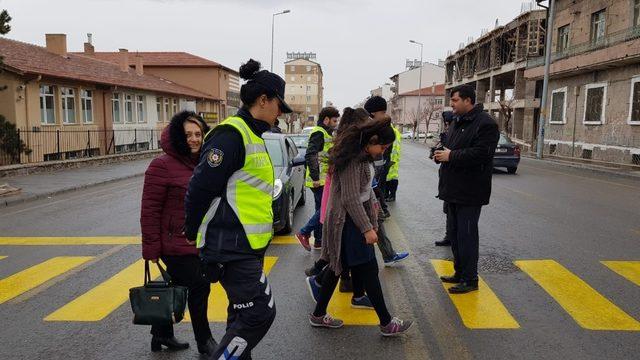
54 144
612 39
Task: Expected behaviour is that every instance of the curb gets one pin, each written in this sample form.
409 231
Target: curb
28 198
590 168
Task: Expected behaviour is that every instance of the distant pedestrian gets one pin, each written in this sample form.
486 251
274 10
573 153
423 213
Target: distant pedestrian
465 182
320 141
162 220
447 118
351 223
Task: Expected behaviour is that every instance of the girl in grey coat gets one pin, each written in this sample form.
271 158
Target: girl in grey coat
350 226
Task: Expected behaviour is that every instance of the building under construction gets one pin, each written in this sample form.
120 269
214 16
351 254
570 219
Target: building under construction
495 64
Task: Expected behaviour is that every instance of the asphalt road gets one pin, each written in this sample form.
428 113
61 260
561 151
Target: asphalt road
546 294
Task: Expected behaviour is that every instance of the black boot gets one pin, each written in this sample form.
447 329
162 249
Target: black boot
208 347
346 286
464 287
443 242
171 343
450 279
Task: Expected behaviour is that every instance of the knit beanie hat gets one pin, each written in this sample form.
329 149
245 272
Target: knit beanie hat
375 103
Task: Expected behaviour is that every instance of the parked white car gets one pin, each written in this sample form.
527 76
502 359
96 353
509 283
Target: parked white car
307 130
407 135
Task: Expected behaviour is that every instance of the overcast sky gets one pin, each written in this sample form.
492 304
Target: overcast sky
359 43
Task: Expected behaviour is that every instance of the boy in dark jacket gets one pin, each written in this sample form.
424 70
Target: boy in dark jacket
465 182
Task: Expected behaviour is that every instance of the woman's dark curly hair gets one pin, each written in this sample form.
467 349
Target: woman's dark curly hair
350 143
176 130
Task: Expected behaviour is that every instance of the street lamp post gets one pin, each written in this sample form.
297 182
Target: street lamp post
273 20
419 86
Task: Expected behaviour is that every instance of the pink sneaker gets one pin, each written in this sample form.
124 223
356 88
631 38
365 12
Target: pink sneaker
325 321
396 327
304 241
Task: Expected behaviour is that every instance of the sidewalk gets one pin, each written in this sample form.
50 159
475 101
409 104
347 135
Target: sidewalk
42 185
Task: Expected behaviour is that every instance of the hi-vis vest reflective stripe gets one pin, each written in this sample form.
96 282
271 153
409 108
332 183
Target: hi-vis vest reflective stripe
395 157
323 156
249 190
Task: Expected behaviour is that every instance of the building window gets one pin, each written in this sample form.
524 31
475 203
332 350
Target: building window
47 108
558 106
293 78
116 108
594 104
128 109
636 13
159 108
308 68
563 39
175 107
308 88
293 68
86 102
308 78
598 24
308 109
293 98
166 110
68 98
634 106
140 113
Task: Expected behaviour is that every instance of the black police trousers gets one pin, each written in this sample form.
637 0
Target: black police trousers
251 309
462 222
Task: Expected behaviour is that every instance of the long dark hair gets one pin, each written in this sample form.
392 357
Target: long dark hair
349 144
352 117
177 134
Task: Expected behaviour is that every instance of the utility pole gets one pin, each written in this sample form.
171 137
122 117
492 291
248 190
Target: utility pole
419 88
545 82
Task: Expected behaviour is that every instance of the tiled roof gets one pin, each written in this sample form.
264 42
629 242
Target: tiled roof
427 91
160 58
32 59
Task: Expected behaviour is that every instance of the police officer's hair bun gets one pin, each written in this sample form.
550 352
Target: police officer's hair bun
249 69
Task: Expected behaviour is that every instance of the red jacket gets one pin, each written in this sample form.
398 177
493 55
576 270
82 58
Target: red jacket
162 213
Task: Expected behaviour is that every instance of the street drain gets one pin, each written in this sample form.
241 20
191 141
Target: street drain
496 264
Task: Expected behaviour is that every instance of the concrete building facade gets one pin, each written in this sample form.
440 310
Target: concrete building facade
304 89
495 66
594 88
406 82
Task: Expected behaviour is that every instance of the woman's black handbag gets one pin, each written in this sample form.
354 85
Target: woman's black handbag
157 302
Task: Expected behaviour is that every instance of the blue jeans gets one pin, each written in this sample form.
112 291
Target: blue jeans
314 225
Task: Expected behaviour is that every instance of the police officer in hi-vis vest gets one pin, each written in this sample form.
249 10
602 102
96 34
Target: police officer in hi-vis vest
229 214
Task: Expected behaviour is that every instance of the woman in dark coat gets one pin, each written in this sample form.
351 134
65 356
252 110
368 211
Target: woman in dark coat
162 221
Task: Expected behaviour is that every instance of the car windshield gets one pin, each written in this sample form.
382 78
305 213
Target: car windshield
300 141
504 140
275 151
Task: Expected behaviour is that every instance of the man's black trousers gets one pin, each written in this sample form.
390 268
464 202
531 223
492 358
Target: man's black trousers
463 231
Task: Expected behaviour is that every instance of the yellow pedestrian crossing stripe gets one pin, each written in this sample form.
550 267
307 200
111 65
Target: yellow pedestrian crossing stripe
588 307
99 302
98 240
62 241
2 257
629 270
37 275
218 302
478 309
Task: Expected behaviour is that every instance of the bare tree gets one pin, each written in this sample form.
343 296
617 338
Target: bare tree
430 112
506 110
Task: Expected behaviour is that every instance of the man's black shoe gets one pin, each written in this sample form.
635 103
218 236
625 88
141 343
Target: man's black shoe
390 199
464 287
443 242
208 347
171 343
450 279
386 213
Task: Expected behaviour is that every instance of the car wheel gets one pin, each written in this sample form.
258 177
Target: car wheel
303 196
288 223
512 170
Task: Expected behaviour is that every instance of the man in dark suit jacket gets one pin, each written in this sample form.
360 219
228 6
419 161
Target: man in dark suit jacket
465 182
